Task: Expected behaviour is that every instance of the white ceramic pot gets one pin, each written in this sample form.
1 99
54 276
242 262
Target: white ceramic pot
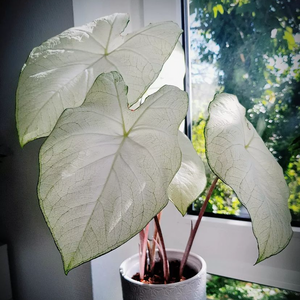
191 289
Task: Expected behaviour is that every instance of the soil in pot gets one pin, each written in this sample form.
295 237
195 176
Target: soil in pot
157 276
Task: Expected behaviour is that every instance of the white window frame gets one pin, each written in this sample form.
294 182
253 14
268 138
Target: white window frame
228 246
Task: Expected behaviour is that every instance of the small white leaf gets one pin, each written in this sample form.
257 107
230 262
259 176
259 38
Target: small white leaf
190 181
105 170
59 73
239 157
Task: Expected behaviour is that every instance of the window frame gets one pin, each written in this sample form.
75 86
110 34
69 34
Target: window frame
188 119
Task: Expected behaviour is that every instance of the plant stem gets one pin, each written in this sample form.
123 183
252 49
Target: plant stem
154 244
195 228
164 253
143 247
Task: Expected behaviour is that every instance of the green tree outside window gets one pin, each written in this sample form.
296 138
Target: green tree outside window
251 49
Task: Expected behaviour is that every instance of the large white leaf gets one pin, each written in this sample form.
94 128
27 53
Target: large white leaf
239 157
59 73
190 181
105 170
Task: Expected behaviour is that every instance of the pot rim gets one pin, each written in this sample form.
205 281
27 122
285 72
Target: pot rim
194 255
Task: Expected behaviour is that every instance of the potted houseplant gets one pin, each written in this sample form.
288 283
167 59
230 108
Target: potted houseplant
113 157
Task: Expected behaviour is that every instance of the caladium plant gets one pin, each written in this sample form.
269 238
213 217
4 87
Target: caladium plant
105 169
114 157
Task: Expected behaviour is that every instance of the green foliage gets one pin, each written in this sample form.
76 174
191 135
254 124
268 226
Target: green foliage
222 288
293 179
223 200
258 59
295 146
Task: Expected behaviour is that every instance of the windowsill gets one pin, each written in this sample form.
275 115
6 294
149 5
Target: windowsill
238 250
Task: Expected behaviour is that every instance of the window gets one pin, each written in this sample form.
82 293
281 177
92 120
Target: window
252 50
241 54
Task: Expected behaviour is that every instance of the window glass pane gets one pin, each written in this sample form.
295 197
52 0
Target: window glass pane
251 49
226 288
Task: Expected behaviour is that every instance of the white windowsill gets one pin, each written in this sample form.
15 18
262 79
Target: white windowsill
229 248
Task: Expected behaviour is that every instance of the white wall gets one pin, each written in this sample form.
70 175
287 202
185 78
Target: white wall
35 263
88 10
140 11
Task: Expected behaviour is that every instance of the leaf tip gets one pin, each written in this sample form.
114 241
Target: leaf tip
68 267
66 271
24 139
22 142
183 211
263 256
259 259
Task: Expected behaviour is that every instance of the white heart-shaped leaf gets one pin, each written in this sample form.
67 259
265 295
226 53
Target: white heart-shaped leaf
105 170
59 73
190 181
239 157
